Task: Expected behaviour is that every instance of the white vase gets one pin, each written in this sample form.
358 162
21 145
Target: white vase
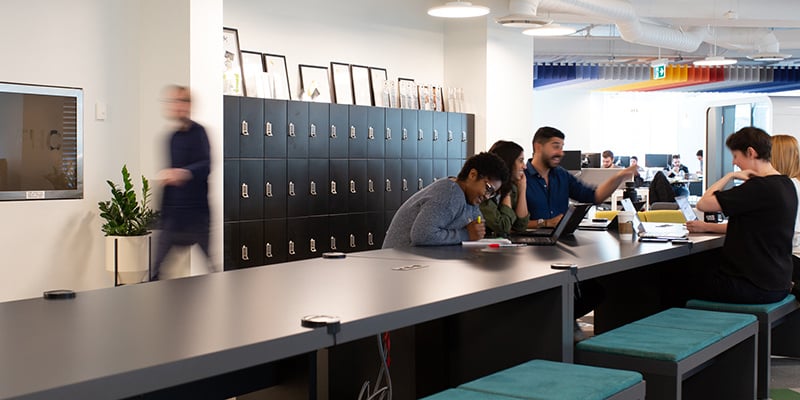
132 257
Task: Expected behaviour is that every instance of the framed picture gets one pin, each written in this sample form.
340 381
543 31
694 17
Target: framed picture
377 81
361 90
342 83
279 76
253 67
232 75
408 93
315 85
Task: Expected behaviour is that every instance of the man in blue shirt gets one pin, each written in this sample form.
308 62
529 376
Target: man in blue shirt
550 187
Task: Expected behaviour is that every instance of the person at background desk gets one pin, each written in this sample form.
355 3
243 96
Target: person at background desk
677 172
699 155
446 211
755 263
608 159
507 210
549 187
639 175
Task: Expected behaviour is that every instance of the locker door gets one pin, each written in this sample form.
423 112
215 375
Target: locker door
251 137
439 135
408 134
393 187
375 185
231 126
357 132
410 179
357 186
454 127
376 132
338 132
356 232
275 189
425 134
338 232
467 132
298 197
297 130
308 237
338 186
392 133
274 129
251 193
454 166
317 186
439 168
230 247
232 190
425 173
275 247
251 239
318 130
376 230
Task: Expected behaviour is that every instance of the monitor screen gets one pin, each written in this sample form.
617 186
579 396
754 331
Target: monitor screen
571 160
622 161
657 160
591 160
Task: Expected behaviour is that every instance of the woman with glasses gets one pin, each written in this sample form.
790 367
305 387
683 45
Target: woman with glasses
506 211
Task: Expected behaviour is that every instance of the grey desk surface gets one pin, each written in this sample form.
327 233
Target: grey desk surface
124 341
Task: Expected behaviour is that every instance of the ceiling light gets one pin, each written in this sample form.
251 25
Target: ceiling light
458 9
525 21
714 61
550 30
769 57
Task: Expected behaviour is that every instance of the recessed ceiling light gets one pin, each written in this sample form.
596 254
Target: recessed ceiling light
550 30
458 9
769 57
714 61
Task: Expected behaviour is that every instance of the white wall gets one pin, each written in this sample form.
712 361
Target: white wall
786 114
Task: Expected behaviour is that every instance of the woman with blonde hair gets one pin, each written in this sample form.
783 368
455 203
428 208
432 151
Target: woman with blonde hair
786 159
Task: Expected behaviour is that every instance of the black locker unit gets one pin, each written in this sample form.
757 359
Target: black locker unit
425 134
281 156
297 130
274 129
251 190
338 185
392 132
338 131
251 133
275 188
318 130
376 132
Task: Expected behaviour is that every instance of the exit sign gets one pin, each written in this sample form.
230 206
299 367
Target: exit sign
659 71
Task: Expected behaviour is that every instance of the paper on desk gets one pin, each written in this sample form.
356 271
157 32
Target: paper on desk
485 242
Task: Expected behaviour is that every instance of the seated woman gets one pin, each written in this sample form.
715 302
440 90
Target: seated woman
507 211
786 159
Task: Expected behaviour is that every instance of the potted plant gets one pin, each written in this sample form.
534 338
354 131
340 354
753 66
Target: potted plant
127 228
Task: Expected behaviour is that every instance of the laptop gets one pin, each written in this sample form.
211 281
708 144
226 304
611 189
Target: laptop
571 224
686 208
660 230
545 240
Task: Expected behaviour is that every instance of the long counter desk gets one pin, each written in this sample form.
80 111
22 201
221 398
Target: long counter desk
138 339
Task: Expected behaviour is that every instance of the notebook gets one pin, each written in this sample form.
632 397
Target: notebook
655 229
571 224
546 240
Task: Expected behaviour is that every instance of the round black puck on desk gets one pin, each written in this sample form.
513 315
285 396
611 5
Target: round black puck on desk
316 321
59 294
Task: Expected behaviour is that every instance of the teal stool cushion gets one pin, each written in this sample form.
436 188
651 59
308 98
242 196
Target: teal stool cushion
678 333
740 308
462 394
540 380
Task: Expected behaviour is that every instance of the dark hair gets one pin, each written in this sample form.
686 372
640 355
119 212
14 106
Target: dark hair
488 165
699 153
608 153
634 158
509 152
751 137
545 133
674 156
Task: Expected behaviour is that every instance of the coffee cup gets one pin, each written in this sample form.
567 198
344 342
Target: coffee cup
625 221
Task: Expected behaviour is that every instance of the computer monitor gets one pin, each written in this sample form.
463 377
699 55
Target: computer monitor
591 160
622 161
657 160
571 161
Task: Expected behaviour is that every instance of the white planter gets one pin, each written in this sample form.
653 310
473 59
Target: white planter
132 257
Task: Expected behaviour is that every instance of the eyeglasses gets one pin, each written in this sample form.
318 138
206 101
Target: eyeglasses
489 189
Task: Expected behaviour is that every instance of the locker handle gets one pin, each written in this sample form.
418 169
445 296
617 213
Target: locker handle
464 136
245 257
268 190
388 133
291 247
369 239
352 240
405 134
333 131
269 250
420 184
268 129
388 185
371 133
291 129
312 245
435 135
420 134
352 186
333 243
405 185
371 186
352 132
313 188
291 189
449 136
313 131
245 194
333 187
245 131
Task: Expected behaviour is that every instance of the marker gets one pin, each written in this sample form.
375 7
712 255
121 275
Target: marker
479 219
498 245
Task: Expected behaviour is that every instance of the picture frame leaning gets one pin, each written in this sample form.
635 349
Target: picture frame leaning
314 83
233 74
342 83
362 95
377 81
253 68
275 65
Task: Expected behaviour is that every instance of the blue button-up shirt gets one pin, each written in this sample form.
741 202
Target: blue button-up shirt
547 200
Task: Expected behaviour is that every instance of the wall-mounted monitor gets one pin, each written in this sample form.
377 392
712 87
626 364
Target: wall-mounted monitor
41 142
622 161
657 160
591 160
571 161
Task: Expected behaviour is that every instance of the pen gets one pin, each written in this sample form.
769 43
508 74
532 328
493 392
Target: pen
497 245
479 219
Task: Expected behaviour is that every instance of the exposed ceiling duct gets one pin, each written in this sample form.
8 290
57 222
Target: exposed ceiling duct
632 29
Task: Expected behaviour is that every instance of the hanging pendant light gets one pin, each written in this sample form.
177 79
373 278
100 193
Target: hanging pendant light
458 9
714 60
551 29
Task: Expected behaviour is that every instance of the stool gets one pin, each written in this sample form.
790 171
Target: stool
672 346
769 316
544 380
